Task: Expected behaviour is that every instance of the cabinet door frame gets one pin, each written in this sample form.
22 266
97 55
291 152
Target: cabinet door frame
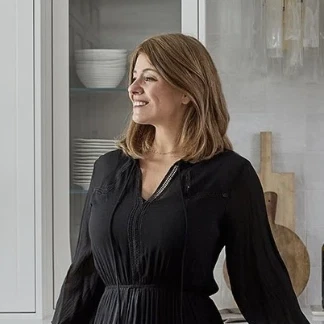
201 16
41 90
43 158
61 149
18 185
21 100
189 17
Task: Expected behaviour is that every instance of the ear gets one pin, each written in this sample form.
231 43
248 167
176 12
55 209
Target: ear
185 99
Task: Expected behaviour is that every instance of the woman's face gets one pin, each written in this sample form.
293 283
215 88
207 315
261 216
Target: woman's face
155 101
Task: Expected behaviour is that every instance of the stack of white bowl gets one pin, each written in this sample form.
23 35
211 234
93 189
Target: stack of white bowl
85 153
101 68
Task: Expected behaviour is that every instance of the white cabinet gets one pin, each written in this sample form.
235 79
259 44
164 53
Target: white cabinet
78 111
238 46
17 210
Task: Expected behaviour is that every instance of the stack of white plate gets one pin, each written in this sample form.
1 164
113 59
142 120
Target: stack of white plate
101 68
85 153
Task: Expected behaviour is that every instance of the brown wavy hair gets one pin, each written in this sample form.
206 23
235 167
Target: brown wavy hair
185 64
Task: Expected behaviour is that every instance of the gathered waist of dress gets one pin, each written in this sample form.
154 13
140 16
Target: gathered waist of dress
162 287
155 303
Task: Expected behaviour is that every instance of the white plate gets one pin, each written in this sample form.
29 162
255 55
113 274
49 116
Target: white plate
83 164
84 179
81 179
85 161
95 149
86 154
92 144
84 172
93 140
77 168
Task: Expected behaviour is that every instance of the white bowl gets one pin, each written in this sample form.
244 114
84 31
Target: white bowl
101 51
105 83
100 73
101 64
99 54
94 76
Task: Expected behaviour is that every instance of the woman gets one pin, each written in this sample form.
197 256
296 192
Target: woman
161 208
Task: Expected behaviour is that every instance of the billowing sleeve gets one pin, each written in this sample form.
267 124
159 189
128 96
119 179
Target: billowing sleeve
82 288
259 279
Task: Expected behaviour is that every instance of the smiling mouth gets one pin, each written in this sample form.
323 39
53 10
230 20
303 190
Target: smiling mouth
139 103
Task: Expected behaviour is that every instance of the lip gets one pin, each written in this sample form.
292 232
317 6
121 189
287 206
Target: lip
138 99
139 106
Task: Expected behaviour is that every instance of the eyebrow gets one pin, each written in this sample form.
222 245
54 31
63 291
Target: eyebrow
147 69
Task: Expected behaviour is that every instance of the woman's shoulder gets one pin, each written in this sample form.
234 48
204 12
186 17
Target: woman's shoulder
225 168
113 158
228 160
110 163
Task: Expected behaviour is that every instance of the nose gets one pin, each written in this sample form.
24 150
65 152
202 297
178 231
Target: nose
135 88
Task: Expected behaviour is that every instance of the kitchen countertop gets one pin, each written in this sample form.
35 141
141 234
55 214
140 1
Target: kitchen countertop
312 319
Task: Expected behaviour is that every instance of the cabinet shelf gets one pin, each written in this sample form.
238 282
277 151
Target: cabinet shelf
78 191
94 90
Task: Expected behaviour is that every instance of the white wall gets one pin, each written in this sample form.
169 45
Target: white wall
292 109
295 115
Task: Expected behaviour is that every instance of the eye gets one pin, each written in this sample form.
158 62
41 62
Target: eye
149 79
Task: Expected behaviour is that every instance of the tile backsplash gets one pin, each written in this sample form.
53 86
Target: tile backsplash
294 112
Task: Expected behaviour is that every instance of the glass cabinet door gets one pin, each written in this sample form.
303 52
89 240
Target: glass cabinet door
92 40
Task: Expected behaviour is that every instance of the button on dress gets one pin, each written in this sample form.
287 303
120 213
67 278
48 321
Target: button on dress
151 261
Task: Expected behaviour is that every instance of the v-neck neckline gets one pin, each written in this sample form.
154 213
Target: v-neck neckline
159 189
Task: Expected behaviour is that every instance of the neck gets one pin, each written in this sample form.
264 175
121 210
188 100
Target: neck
165 141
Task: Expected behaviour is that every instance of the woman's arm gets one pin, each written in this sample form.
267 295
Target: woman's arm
259 279
82 288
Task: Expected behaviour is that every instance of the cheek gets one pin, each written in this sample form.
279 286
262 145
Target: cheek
166 99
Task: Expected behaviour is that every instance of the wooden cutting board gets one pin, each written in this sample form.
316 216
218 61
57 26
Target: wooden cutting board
281 183
292 250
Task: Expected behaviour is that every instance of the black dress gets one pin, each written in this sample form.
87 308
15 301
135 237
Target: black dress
151 262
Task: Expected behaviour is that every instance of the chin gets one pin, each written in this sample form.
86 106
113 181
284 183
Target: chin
141 121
